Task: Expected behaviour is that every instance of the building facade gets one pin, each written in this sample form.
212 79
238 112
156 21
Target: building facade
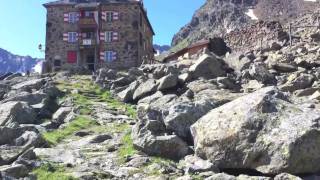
97 33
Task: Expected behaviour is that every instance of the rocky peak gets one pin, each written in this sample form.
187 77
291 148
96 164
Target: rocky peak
219 17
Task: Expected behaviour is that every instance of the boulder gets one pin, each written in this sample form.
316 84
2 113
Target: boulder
208 66
127 94
284 68
259 71
185 77
15 171
194 164
227 83
170 146
286 176
147 88
31 84
30 98
180 116
164 70
14 113
61 114
167 82
261 131
296 82
238 62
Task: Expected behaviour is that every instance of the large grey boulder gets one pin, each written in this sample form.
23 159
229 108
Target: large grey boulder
208 66
259 71
167 82
60 116
127 94
181 115
147 88
14 171
261 131
14 113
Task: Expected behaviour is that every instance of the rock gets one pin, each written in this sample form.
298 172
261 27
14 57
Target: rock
218 97
164 70
315 96
14 113
59 117
227 83
238 63
252 85
184 78
122 81
29 85
285 176
284 68
275 46
295 82
15 171
138 161
221 176
260 72
147 88
180 116
30 98
149 99
8 135
245 134
63 156
194 164
200 85
147 141
167 82
208 66
305 92
127 94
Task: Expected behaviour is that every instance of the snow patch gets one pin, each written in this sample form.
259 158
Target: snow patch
38 67
251 14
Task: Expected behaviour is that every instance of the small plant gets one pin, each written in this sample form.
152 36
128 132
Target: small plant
52 172
79 123
127 148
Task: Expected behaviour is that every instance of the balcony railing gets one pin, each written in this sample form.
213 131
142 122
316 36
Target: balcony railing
87 42
87 22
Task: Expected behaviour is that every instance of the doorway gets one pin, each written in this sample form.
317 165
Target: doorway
90 62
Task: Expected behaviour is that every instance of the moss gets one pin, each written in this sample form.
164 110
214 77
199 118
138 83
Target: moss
57 136
52 172
127 148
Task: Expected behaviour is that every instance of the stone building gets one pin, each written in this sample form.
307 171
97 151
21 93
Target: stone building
97 33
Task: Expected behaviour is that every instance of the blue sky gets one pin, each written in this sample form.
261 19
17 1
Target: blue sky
22 25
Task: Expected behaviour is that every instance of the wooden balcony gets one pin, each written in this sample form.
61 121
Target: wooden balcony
87 23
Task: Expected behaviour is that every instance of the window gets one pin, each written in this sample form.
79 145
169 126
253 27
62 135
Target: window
72 57
108 36
73 17
109 16
89 14
111 36
57 62
72 37
110 56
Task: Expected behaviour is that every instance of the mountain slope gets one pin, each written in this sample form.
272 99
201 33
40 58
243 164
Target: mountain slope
218 17
15 63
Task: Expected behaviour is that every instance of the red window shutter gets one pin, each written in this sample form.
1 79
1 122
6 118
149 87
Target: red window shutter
72 57
115 15
115 36
66 17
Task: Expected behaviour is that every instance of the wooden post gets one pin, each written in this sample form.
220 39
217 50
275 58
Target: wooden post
290 34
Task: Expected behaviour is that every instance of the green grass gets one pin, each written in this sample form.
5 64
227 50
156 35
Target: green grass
127 148
56 136
52 172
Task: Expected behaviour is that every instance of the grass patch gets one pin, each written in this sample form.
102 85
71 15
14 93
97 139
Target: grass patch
52 172
127 148
57 136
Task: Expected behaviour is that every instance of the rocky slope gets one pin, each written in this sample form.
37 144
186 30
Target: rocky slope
160 48
14 63
217 18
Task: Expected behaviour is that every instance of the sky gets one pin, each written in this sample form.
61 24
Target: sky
22 25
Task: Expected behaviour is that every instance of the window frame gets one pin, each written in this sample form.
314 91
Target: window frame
72 17
72 37
108 56
109 16
108 37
